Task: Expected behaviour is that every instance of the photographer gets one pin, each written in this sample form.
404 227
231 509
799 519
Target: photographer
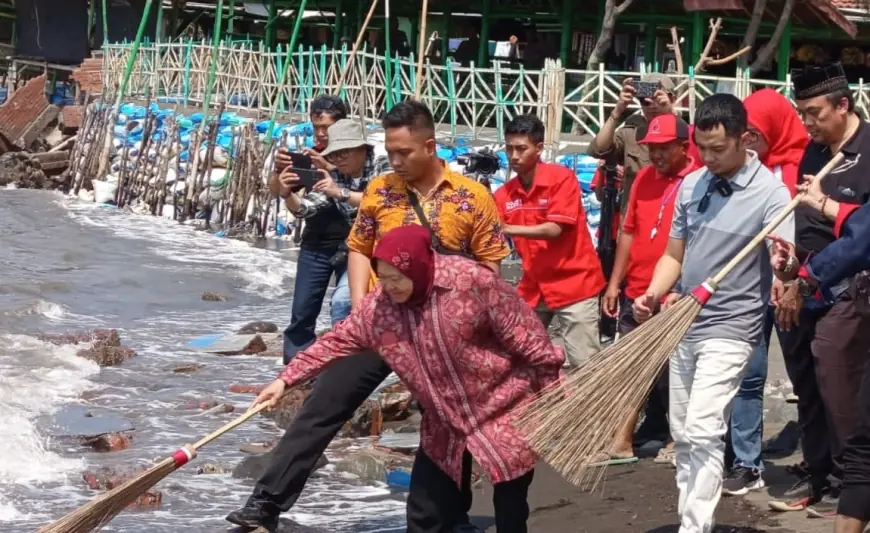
329 210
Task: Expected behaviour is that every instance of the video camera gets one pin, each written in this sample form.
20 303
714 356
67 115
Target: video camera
484 163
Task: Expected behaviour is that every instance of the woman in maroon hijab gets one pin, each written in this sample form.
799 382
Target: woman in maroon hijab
470 349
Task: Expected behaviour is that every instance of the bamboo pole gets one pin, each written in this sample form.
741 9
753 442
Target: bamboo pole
421 50
388 56
106 23
284 71
356 45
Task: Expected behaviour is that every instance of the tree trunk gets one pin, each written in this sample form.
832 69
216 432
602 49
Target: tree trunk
766 54
611 13
752 32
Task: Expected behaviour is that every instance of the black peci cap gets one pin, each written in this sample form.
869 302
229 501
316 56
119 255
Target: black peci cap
812 81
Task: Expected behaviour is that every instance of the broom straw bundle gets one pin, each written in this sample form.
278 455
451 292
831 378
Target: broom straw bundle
571 422
99 511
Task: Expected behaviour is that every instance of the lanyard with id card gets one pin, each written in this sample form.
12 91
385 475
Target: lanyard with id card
665 200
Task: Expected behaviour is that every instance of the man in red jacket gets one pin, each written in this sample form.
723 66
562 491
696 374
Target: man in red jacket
542 211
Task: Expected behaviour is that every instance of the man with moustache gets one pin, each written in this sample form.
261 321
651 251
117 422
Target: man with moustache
825 343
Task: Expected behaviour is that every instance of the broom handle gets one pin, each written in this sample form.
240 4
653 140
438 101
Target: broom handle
230 426
749 248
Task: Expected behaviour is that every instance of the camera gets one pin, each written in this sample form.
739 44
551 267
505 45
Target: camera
485 162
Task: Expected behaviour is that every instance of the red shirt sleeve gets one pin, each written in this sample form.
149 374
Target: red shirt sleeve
564 205
596 178
843 214
630 223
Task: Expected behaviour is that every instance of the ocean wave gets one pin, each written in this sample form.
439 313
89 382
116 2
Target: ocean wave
49 310
35 379
264 272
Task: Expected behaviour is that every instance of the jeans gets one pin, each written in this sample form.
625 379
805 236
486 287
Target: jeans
340 306
313 272
704 378
747 411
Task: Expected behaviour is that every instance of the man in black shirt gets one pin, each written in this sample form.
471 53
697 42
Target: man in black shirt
825 343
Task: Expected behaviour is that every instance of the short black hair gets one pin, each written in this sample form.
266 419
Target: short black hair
836 96
328 104
724 110
528 125
410 114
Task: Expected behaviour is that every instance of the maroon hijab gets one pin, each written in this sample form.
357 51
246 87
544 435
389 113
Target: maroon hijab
409 250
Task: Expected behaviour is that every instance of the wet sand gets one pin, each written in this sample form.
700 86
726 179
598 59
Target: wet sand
639 498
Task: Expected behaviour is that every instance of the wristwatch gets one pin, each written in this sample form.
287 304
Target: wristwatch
345 194
804 288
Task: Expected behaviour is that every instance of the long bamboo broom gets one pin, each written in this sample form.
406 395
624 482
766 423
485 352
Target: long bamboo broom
570 422
99 511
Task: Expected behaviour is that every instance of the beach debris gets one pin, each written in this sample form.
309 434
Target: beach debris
395 402
231 344
107 355
214 468
257 447
186 369
214 297
18 170
77 422
202 405
247 389
25 115
96 337
258 327
109 442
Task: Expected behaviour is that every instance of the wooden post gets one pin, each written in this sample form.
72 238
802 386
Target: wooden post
159 29
446 23
697 37
421 50
784 53
231 26
270 25
483 50
91 14
388 56
338 27
173 19
649 46
105 24
566 34
212 69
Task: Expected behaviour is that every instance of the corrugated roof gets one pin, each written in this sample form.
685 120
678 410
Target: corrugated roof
805 11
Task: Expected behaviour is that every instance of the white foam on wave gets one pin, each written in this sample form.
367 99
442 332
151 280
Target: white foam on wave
35 379
264 272
49 310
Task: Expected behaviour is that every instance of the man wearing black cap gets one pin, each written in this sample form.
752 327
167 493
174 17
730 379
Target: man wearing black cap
825 343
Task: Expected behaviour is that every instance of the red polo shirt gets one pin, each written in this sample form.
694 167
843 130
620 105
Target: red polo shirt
648 218
562 271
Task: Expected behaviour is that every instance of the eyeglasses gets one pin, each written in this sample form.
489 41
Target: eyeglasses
717 184
339 155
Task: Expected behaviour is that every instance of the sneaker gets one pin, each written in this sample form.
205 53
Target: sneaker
741 480
255 515
797 498
824 508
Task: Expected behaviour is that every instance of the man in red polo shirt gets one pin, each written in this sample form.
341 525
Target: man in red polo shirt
542 211
642 243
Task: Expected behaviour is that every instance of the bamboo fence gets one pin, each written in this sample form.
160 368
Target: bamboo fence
468 101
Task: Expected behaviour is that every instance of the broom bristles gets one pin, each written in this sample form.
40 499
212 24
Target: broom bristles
99 511
572 421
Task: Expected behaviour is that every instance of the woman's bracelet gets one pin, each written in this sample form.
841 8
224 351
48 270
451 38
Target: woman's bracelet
824 203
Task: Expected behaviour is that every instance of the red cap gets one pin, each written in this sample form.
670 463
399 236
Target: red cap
664 129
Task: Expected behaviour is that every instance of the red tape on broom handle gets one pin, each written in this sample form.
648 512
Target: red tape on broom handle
758 239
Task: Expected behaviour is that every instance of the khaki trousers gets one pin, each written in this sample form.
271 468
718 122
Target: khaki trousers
579 328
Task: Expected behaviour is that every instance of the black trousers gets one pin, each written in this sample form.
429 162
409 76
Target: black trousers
855 496
337 393
825 357
437 505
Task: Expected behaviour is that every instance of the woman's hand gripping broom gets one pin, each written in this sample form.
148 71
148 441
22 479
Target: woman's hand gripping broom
578 418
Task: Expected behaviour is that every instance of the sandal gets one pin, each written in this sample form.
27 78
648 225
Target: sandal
666 456
610 459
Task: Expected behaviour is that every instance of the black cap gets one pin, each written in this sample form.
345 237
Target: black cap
813 81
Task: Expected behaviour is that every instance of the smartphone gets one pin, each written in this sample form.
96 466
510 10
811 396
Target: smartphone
303 166
645 89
